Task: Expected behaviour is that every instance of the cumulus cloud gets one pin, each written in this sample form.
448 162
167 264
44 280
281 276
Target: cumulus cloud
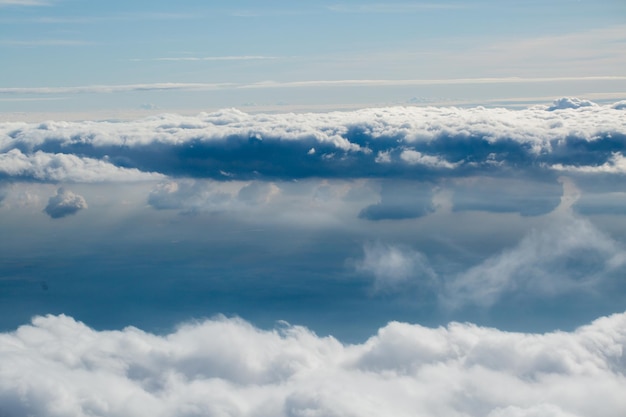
398 142
60 167
413 157
570 103
395 267
615 164
64 203
58 366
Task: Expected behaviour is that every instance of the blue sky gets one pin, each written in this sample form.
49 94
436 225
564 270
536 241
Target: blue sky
301 209
233 49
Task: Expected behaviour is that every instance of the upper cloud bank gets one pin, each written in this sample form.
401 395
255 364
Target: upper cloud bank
399 142
225 367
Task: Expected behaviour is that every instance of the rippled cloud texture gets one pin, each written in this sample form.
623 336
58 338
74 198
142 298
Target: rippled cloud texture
57 366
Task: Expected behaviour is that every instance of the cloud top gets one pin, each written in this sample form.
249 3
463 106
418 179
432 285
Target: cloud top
400 142
58 366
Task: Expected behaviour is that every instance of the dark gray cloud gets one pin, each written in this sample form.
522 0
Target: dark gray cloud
64 203
425 143
58 366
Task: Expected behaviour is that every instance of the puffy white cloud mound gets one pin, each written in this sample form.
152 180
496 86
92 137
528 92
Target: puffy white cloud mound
64 203
57 366
570 103
60 167
572 135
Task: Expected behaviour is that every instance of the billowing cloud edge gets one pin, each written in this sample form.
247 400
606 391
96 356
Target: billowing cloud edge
571 136
61 167
226 366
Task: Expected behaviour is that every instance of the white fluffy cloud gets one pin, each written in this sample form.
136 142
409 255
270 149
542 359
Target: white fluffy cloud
572 134
616 164
225 367
64 203
570 103
414 157
60 167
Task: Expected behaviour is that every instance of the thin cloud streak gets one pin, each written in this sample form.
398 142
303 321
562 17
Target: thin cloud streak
217 58
45 42
94 89
393 7
24 3
97 89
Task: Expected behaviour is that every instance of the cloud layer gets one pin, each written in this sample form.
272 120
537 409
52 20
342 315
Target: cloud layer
57 366
402 142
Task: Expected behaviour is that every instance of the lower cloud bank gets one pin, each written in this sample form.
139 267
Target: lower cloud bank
57 366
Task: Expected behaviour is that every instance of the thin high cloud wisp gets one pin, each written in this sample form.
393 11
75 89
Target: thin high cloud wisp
180 86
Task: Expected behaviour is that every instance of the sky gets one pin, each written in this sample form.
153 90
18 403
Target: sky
312 209
136 56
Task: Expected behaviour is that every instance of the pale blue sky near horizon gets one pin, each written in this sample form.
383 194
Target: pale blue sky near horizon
71 55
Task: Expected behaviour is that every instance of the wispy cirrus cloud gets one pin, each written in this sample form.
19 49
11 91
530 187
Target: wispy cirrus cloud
393 7
44 42
94 89
98 89
24 3
217 58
